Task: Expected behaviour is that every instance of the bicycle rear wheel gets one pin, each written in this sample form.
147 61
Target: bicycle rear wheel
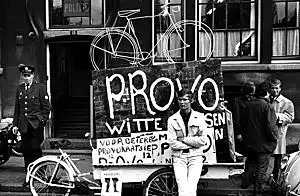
178 44
113 48
42 174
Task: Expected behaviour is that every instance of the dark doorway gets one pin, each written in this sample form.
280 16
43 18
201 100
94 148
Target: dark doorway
71 72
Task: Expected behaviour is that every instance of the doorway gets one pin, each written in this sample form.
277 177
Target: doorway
71 76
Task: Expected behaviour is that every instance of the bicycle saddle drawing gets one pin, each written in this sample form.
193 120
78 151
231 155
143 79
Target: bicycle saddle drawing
127 13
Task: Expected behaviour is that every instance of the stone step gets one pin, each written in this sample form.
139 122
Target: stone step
74 144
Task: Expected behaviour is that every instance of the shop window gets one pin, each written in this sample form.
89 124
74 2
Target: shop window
286 28
75 13
234 25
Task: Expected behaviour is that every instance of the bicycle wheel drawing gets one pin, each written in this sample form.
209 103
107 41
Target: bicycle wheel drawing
177 43
161 182
42 174
113 47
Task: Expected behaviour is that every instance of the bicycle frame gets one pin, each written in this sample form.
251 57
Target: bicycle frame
65 160
129 28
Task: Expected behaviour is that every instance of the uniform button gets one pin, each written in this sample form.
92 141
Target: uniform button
25 102
25 108
25 97
25 114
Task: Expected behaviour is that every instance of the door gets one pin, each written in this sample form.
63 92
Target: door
71 76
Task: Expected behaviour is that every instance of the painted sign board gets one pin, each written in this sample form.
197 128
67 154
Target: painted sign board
76 8
132 106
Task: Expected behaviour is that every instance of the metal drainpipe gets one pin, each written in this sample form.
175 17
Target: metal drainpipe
35 34
1 71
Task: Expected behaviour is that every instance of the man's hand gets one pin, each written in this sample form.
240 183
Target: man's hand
15 130
239 137
180 139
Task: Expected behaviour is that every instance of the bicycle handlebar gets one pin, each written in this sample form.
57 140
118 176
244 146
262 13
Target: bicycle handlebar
165 5
8 127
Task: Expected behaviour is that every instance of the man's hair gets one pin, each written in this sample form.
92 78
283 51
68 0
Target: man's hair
183 92
262 89
274 81
248 88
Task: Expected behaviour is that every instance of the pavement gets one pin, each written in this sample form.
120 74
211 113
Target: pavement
12 176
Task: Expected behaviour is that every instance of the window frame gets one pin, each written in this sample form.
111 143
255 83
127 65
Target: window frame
227 30
285 56
49 25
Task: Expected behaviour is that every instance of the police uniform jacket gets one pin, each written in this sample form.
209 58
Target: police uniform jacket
31 107
284 109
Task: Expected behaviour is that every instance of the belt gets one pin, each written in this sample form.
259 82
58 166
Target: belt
185 150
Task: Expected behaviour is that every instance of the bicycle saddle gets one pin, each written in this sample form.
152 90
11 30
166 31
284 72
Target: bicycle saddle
126 13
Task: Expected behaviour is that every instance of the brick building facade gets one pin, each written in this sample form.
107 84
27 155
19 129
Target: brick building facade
252 41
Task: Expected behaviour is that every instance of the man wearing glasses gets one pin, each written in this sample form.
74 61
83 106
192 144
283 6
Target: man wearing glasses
32 108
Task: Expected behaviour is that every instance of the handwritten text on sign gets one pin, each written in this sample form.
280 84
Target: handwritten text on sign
134 92
144 148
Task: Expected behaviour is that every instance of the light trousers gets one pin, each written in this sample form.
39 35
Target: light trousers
187 173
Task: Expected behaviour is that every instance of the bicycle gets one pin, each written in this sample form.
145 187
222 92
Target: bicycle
122 42
59 175
10 143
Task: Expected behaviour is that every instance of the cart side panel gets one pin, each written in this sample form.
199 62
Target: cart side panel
132 106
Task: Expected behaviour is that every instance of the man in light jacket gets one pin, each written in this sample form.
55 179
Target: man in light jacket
284 109
186 140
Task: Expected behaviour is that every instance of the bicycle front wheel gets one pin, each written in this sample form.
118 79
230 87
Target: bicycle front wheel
161 182
188 40
113 48
42 174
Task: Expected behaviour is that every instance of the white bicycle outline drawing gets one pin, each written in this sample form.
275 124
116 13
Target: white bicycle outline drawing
126 35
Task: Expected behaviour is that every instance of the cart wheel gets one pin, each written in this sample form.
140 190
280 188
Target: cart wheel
161 182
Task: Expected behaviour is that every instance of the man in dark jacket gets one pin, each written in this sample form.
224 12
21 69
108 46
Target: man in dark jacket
247 94
31 112
259 133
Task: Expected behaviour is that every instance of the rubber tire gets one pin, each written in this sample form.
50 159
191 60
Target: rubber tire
37 168
156 177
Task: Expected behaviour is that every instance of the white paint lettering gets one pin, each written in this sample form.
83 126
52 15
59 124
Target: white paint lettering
219 133
156 124
134 91
152 98
110 95
112 130
217 95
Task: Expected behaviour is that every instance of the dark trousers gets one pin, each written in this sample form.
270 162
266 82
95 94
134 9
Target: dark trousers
255 169
277 165
31 144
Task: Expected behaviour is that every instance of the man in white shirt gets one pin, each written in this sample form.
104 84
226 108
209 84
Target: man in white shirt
186 140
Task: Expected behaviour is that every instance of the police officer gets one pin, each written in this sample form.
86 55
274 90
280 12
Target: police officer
31 112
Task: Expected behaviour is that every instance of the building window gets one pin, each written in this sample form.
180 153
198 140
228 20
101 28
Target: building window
162 22
75 13
286 27
234 23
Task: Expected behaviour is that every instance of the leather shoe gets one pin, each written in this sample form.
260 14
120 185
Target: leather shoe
25 184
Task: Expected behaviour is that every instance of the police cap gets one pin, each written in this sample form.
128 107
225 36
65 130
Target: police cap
26 68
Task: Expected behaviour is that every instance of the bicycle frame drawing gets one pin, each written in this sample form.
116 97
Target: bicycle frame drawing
116 36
